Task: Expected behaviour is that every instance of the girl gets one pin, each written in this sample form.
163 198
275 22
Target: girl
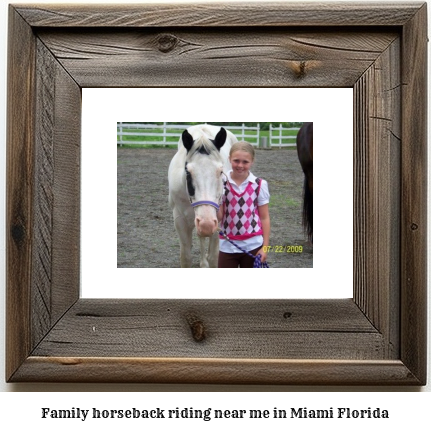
244 212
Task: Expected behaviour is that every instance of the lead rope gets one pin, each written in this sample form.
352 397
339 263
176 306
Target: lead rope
257 259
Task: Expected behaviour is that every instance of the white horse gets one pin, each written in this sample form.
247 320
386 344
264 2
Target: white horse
195 189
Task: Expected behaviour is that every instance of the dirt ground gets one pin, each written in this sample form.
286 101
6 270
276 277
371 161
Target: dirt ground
146 237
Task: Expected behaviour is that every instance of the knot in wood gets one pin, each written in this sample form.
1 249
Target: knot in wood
197 328
18 233
414 226
167 42
300 69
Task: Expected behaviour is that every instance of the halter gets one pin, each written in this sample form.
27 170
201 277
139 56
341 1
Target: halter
198 203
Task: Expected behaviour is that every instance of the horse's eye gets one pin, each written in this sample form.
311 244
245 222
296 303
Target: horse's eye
190 186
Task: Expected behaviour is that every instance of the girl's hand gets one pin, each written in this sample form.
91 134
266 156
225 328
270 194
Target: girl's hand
263 254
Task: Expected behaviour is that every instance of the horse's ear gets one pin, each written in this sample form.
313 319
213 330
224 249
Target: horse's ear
187 140
220 138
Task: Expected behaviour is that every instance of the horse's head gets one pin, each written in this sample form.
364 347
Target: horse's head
203 175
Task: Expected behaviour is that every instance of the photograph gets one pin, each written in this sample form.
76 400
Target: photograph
187 190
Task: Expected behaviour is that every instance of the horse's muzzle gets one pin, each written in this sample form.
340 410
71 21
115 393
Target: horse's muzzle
206 227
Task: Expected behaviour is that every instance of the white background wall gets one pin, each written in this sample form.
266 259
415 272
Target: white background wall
407 405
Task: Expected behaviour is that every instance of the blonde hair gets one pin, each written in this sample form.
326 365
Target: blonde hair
242 146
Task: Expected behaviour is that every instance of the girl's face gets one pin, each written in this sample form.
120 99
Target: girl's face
241 162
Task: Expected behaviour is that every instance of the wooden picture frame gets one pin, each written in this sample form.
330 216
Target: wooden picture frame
378 337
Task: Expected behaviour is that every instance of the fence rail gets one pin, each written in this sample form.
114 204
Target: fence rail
169 134
277 139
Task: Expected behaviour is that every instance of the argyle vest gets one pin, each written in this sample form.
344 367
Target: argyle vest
241 218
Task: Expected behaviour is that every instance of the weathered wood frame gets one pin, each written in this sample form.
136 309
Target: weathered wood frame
378 337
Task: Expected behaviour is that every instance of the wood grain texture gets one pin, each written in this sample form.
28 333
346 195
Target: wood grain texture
44 194
234 329
377 183
67 199
413 194
211 14
214 57
19 200
378 337
215 371
55 279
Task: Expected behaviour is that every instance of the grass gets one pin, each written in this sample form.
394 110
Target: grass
282 201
